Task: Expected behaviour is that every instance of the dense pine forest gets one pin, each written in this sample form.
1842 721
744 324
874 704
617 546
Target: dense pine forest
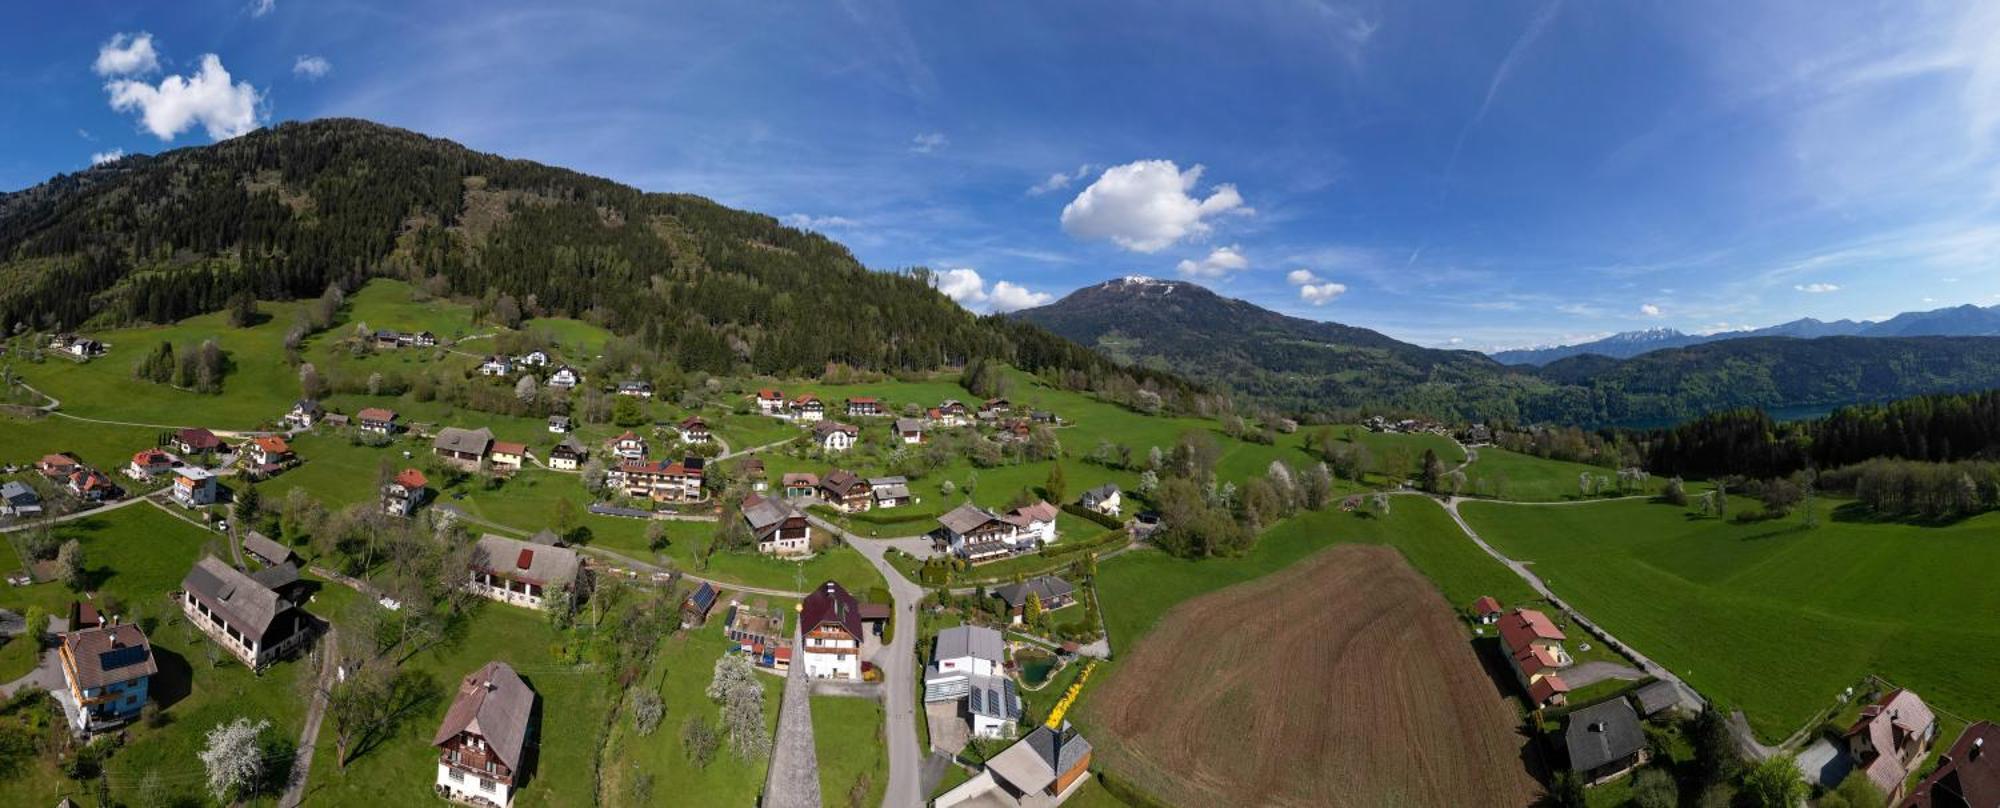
1934 428
286 211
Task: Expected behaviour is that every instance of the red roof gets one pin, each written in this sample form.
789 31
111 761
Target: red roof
57 460
694 422
144 457
1536 659
272 444
1486 605
411 479
198 438
862 400
629 435
376 414
1522 627
769 394
1547 688
503 447
783 652
527 559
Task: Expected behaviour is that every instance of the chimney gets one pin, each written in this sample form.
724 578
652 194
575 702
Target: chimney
1978 744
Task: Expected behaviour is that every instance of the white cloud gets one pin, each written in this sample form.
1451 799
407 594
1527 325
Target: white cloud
964 286
1314 289
127 55
1649 310
805 221
1144 206
1060 180
1817 288
259 8
208 98
312 68
100 158
928 142
1220 261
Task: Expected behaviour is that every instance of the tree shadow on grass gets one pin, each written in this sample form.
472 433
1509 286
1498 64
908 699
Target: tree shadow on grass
1857 513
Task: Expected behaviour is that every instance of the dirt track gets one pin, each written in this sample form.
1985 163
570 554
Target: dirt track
1342 680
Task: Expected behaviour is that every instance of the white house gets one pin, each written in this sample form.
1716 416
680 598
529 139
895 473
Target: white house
565 377
635 388
977 534
890 492
968 664
538 358
835 437
808 408
496 366
1103 499
519 572
305 412
779 528
629 446
694 430
484 735
830 619
771 402
910 430
194 487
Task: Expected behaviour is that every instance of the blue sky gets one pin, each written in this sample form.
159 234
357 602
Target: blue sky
1490 174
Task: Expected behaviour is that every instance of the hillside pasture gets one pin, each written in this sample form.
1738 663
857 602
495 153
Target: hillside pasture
1771 617
1272 682
1501 474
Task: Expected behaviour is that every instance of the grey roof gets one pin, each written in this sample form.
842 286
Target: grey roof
993 697
898 491
880 482
821 429
765 514
465 441
569 443
969 641
16 492
966 518
1031 765
241 601
1046 587
1101 493
549 566
277 577
265 548
1061 750
909 425
1602 733
547 538
494 704
1656 697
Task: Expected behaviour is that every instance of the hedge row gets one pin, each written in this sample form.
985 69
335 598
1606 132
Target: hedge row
1102 519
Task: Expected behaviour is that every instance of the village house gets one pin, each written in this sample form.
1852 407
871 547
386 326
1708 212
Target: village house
568 454
976 534
508 456
779 528
1605 740
967 664
304 413
559 424
629 446
889 492
424 339
519 572
835 437
463 448
1044 417
1486 610
195 487
268 551
1891 739
267 454
1966 776
377 420
694 430
1054 593
1535 653
635 388
1014 430
909 430
565 377
1103 499
193 440
659 480
89 485
808 408
752 470
800 484
496 366
18 500
951 413
58 466
107 669
245 617
771 402
537 358
863 407
484 737
994 408
403 493
759 630
830 619
846 491
1043 769
80 347
695 607
148 463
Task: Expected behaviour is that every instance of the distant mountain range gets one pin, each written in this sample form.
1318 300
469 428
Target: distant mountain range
1307 366
1956 321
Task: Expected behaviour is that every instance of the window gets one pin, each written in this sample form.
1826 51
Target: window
455 775
485 784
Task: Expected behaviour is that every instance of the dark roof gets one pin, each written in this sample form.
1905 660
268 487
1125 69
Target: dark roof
526 561
198 438
464 441
1061 750
830 603
875 611
276 578
1656 697
966 518
495 704
547 538
993 697
702 598
266 549
242 601
842 481
1102 492
1047 587
110 654
1602 733
1968 775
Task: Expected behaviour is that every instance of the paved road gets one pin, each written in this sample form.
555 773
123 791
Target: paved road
295 788
898 663
793 781
79 514
653 569
729 453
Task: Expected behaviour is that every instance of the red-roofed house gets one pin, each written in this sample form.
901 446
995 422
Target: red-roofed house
58 466
770 402
629 446
268 452
1891 738
196 439
1967 775
376 419
508 455
1534 650
149 462
830 619
1486 610
863 407
402 495
808 408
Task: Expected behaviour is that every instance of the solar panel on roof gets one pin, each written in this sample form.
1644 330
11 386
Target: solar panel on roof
974 701
120 657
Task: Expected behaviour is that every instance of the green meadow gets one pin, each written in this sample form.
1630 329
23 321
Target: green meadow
1501 474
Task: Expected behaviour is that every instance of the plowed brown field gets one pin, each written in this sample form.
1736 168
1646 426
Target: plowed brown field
1341 680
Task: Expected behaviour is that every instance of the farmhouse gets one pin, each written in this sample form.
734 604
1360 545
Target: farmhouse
1968 775
835 437
659 480
107 669
519 572
58 466
800 484
568 454
402 494
245 617
694 430
1041 769
1535 653
148 462
538 358
695 607
377 420
18 500
1103 499
889 492
1054 593
950 413
267 454
779 528
629 446
994 408
77 346
808 408
559 424
863 408
910 430
1604 740
771 402
195 439
846 491
266 550
304 413
565 377
508 455
976 534
483 737
463 448
635 388
496 366
194 487
1891 738
830 619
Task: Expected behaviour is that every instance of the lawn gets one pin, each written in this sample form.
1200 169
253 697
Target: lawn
853 758
680 673
1771 617
108 447
1502 474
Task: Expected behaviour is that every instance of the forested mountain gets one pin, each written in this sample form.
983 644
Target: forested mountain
1957 321
286 211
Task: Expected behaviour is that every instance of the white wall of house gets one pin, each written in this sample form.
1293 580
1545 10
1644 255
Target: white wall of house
832 659
459 785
